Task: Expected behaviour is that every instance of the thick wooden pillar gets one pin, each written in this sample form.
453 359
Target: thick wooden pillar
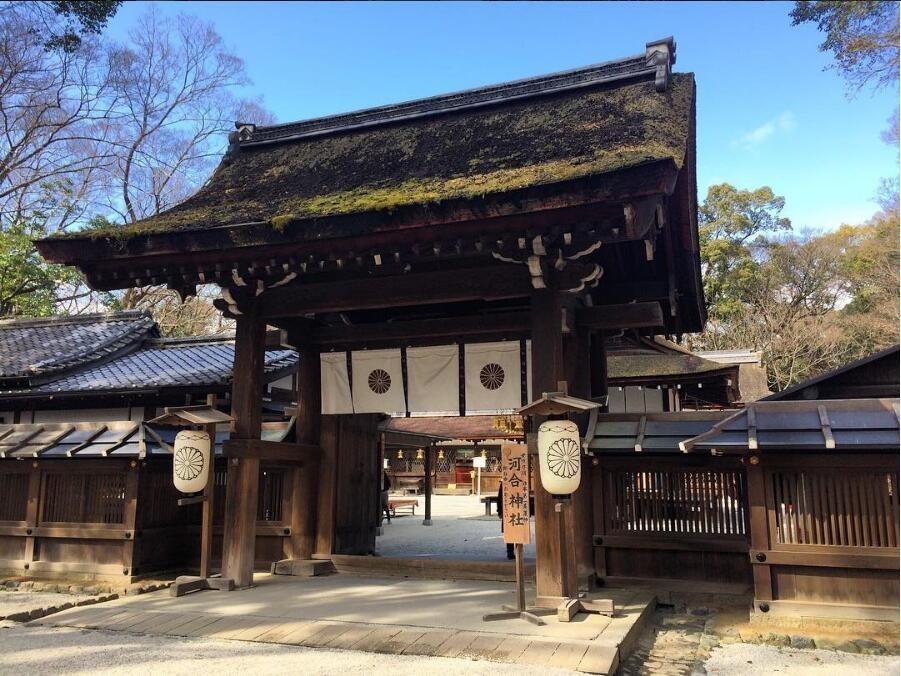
242 487
598 367
305 494
326 503
580 523
553 580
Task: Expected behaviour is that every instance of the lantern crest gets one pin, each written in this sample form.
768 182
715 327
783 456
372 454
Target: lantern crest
560 456
191 460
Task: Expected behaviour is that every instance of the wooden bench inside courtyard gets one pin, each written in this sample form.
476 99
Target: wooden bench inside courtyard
488 500
402 503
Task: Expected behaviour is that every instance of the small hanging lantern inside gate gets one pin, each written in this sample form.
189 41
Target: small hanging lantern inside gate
559 454
191 459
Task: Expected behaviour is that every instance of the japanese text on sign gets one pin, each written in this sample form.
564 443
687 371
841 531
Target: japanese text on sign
515 478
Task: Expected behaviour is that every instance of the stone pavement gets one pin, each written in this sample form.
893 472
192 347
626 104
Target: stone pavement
396 616
685 628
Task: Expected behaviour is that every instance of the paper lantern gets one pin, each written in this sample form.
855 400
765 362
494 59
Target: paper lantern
559 456
191 461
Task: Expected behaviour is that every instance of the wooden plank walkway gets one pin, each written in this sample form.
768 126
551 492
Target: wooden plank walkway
590 656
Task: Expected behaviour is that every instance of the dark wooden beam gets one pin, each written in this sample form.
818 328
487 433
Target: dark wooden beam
277 451
499 281
427 329
490 283
621 316
628 292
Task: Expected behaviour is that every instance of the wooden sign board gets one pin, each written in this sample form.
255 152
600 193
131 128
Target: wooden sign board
515 482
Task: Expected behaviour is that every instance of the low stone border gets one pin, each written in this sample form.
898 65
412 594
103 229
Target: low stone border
37 613
96 594
88 589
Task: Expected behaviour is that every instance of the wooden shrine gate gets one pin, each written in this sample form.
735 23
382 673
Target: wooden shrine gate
540 226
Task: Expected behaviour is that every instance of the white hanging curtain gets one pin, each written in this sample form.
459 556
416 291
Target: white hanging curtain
493 377
433 379
335 385
378 382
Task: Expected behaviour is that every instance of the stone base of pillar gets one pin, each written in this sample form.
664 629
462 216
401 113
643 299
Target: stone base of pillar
303 567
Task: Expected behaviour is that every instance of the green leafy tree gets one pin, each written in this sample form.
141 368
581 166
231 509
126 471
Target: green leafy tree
75 19
733 228
861 35
29 285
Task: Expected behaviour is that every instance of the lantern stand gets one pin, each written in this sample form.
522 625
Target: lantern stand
204 417
556 405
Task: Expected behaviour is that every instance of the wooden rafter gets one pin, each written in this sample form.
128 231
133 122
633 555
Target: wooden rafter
16 446
55 440
121 441
87 442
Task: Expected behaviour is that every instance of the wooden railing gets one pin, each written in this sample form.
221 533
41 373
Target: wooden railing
676 502
824 507
84 497
13 496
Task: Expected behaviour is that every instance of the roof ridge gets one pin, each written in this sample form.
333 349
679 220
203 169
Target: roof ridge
61 320
658 54
194 340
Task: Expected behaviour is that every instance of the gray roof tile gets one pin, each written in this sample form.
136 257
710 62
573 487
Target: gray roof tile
32 350
162 364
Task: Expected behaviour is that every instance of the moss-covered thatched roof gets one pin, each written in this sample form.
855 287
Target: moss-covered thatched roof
660 366
465 154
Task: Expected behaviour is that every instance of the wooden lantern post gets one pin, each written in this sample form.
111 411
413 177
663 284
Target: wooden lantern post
206 520
206 417
557 405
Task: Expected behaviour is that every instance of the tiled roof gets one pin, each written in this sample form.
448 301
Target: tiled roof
32 350
814 425
165 364
650 433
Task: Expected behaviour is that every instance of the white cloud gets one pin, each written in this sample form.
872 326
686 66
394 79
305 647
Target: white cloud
783 123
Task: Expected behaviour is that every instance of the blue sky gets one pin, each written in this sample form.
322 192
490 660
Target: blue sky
768 114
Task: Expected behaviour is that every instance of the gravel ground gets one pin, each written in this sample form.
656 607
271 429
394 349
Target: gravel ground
44 650
459 530
19 601
753 660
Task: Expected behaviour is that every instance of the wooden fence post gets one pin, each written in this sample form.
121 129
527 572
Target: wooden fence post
760 539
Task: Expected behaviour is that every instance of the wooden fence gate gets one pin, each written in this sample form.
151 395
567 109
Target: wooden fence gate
671 519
